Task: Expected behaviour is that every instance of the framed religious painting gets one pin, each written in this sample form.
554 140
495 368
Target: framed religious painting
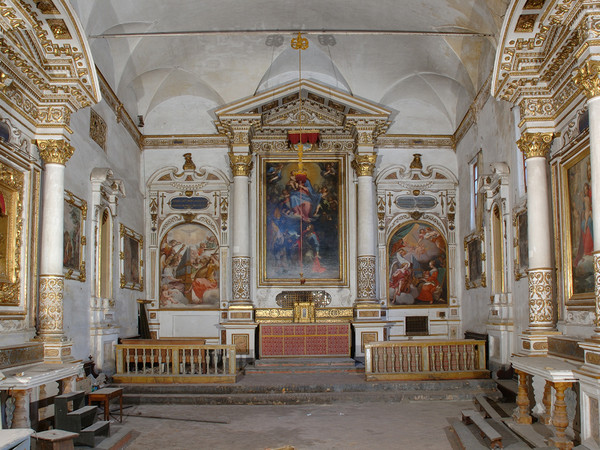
417 266
474 261
74 240
520 244
11 220
577 246
302 221
131 259
189 268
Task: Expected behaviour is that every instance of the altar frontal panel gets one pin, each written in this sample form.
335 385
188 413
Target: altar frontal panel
299 340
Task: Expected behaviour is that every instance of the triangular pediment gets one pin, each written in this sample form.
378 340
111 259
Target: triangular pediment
322 106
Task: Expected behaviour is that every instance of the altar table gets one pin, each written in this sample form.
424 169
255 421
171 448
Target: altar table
304 340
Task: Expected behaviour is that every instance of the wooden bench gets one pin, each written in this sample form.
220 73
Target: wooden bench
483 405
487 431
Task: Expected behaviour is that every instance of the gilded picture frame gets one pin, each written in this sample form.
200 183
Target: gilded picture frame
575 221
474 246
131 261
11 224
520 243
74 240
302 226
417 266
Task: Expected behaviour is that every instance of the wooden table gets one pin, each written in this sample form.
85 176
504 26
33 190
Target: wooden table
105 395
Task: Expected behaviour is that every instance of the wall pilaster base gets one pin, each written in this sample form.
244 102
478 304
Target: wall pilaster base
366 332
58 351
239 312
243 336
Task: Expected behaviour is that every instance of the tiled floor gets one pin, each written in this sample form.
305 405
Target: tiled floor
374 425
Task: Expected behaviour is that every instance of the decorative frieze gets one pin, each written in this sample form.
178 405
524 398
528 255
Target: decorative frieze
241 278
541 311
51 304
597 290
55 151
98 129
535 144
366 278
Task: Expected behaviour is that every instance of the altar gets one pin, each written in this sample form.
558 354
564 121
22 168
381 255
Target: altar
304 326
305 340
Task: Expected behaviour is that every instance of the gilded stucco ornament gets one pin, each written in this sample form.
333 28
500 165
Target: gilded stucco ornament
241 278
597 289
364 164
535 144
55 151
241 165
587 78
366 278
541 311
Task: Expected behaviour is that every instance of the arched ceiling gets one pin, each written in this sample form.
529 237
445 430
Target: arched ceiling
163 65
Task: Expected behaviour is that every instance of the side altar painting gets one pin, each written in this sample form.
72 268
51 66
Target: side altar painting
302 229
189 265
578 216
417 266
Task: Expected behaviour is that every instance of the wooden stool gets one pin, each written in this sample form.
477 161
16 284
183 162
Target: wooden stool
105 395
55 440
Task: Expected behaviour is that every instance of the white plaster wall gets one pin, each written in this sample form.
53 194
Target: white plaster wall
494 133
122 155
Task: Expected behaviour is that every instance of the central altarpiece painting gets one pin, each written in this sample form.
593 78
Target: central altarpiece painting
302 226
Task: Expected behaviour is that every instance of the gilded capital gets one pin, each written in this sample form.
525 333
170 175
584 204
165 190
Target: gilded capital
55 151
587 78
364 164
535 144
241 165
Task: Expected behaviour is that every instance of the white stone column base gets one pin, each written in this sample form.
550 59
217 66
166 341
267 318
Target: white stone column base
243 336
533 343
366 332
58 352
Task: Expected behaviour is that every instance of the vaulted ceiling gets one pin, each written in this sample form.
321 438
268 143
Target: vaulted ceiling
174 62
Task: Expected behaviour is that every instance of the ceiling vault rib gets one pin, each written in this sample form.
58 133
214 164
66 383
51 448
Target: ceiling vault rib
292 31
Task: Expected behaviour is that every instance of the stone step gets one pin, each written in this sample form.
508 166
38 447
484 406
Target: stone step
304 365
287 398
323 385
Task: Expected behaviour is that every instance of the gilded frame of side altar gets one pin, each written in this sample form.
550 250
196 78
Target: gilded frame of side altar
11 224
520 243
302 221
131 261
571 181
474 247
74 240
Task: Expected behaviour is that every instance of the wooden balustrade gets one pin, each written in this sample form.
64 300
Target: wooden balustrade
425 360
158 362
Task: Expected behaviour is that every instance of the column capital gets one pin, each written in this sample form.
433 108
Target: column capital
587 78
55 151
535 144
240 164
364 164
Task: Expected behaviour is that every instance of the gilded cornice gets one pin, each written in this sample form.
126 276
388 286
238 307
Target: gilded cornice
413 141
366 128
185 141
238 127
364 164
48 53
587 78
241 165
55 151
535 144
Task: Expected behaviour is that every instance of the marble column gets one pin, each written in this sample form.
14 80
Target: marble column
57 348
535 147
366 238
588 79
241 165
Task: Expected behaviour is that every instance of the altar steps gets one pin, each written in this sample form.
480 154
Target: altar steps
304 365
314 389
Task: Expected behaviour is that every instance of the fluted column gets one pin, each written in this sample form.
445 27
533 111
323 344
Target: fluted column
55 154
364 164
535 147
588 79
241 165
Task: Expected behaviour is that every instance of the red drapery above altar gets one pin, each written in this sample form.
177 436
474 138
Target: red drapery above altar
306 137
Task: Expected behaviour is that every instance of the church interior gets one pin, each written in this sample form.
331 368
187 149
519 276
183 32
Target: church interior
191 188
